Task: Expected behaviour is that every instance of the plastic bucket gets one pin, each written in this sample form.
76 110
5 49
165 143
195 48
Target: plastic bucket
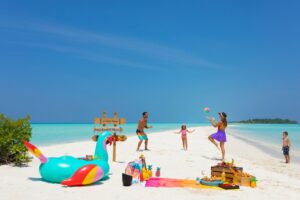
127 179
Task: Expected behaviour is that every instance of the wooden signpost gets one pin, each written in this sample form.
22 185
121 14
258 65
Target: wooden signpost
100 126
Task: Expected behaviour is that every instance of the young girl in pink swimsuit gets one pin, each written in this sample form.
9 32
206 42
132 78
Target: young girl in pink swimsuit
184 132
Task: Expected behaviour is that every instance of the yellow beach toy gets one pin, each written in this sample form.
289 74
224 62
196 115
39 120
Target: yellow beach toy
147 173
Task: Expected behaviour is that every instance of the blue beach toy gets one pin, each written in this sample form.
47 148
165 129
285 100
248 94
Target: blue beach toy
211 183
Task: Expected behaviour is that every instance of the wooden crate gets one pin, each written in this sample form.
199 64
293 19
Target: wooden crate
229 172
229 177
226 169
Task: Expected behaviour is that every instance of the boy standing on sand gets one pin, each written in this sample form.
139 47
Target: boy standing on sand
140 131
286 146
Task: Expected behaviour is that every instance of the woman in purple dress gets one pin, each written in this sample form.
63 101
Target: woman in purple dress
219 136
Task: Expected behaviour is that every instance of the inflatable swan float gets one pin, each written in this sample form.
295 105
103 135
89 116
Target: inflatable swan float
71 171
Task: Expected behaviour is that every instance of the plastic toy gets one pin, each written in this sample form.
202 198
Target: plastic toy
71 171
197 180
142 176
150 171
145 172
211 183
253 182
229 186
206 110
157 173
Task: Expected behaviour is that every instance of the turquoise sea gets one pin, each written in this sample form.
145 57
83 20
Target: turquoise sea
267 137
267 133
49 134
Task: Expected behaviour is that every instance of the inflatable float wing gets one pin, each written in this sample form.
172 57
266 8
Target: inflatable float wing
85 175
71 171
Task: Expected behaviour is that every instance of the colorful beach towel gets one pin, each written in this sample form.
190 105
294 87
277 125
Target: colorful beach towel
169 182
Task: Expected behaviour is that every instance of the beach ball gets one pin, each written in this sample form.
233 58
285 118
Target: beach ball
206 110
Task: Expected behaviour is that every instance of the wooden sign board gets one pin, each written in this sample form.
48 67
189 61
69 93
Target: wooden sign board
100 125
109 121
120 138
104 120
112 129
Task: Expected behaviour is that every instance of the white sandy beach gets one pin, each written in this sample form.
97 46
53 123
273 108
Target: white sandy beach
276 180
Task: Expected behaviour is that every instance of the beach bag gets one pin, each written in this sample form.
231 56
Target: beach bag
129 169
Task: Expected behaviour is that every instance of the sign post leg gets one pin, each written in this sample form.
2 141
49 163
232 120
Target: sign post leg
114 147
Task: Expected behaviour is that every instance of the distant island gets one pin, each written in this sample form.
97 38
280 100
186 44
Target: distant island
268 121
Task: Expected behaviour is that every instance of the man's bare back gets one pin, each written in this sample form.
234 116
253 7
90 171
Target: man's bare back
142 124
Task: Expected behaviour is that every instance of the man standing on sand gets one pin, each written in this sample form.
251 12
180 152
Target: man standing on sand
140 131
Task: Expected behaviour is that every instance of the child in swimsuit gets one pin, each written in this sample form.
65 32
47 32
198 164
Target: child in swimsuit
184 132
286 146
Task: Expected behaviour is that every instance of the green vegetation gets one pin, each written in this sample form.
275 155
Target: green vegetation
268 121
12 133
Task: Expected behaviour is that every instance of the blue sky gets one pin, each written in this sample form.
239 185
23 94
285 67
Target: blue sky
67 61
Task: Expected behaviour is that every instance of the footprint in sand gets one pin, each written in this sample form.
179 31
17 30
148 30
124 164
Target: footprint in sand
189 161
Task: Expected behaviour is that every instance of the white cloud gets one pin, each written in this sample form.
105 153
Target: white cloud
157 52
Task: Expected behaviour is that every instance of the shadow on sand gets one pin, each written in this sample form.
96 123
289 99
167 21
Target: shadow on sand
120 162
212 158
35 179
94 184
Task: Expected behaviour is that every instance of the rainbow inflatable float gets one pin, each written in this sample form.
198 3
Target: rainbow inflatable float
71 171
